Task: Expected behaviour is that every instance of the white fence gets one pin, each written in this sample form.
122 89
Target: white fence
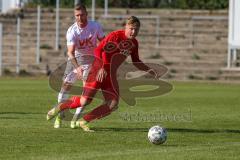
6 5
233 32
0 49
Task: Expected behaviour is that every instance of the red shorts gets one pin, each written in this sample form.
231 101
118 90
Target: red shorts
109 88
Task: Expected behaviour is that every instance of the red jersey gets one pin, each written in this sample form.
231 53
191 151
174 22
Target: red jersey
110 54
115 48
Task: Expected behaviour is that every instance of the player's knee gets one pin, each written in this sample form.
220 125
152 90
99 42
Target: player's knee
66 86
113 105
85 101
75 102
114 108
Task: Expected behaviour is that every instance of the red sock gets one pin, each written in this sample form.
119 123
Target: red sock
97 113
71 103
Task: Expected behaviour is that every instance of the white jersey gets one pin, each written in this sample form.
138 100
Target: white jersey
85 40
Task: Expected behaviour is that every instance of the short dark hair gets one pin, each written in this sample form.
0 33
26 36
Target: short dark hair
80 7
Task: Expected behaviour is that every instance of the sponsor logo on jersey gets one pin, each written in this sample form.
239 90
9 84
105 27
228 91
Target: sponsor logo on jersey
86 43
124 47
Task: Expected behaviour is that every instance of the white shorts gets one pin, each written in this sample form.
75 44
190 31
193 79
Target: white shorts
71 77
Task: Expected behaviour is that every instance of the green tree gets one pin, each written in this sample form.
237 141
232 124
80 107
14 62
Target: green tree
180 4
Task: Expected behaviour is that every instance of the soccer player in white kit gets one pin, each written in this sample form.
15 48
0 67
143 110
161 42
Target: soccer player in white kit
82 39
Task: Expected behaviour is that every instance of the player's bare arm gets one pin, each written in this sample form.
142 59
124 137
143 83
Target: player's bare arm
142 66
71 55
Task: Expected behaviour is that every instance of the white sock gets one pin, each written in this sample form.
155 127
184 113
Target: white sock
62 96
78 110
77 113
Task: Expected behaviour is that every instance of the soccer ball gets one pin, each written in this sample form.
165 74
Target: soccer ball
157 135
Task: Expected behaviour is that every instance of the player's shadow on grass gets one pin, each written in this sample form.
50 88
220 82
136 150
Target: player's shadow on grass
16 115
8 113
202 130
111 129
183 130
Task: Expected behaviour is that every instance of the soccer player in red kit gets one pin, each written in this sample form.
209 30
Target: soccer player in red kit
112 52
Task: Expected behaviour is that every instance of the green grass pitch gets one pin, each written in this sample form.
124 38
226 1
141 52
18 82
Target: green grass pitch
202 119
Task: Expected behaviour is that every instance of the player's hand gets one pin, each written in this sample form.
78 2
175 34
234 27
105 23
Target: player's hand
154 73
79 73
101 75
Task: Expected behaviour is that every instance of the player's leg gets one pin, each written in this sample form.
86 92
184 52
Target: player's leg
72 103
69 78
85 71
62 96
111 95
101 111
75 101
78 112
